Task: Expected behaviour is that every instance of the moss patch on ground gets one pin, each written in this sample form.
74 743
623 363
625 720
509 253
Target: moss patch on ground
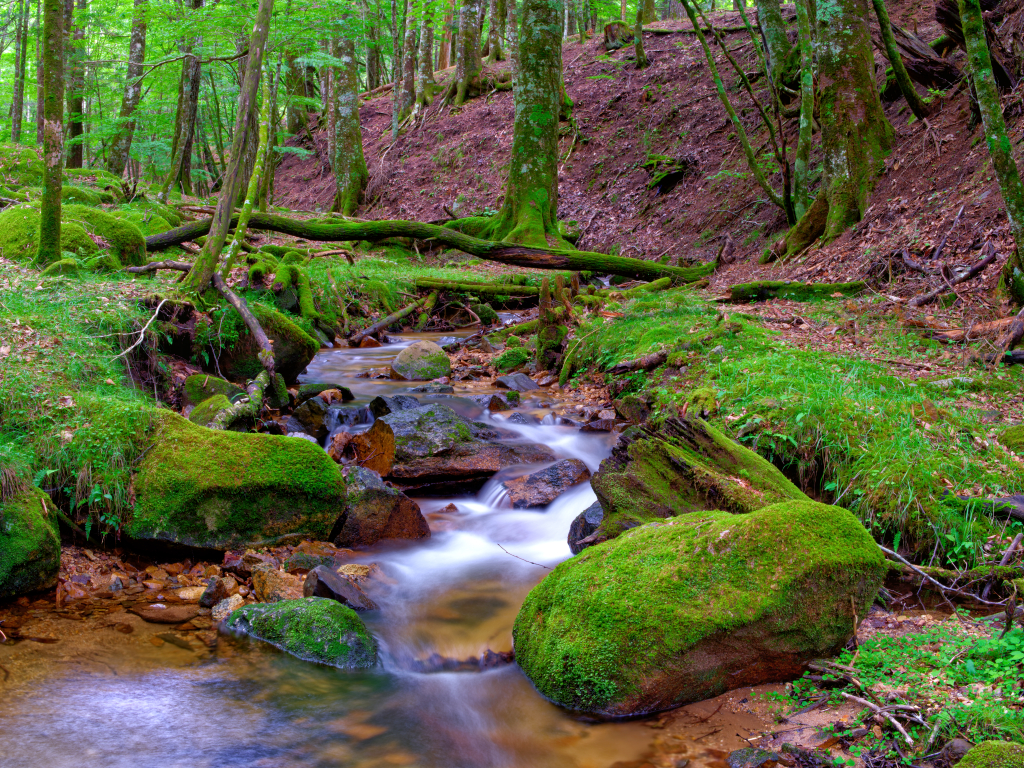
19 235
212 488
994 754
634 625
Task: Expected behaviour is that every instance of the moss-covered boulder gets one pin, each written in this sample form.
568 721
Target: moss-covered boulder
202 386
511 358
421 361
313 629
1013 438
427 431
20 166
124 238
994 754
684 609
29 543
19 235
211 488
682 465
61 267
203 413
293 347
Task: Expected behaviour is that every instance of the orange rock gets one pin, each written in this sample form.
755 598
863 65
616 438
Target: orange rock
369 342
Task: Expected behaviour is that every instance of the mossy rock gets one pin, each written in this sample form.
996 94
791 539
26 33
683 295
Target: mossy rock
19 235
514 342
62 267
703 401
511 358
201 386
486 313
153 209
277 396
203 413
1013 438
73 194
682 610
125 238
20 166
103 262
994 754
427 431
683 465
211 488
293 347
147 223
98 176
313 629
421 361
29 543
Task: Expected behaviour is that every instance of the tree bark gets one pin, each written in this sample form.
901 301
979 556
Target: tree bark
468 63
444 50
121 144
917 106
638 38
426 86
40 107
650 11
801 190
410 56
53 130
544 257
20 54
179 172
512 30
206 263
1000 148
349 163
494 53
76 83
776 43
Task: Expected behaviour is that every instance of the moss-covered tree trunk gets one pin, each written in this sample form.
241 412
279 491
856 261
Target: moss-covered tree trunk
899 69
76 85
528 215
198 279
179 174
801 170
999 147
349 163
410 56
494 53
468 62
20 55
650 11
855 134
512 36
121 144
53 130
40 109
776 43
426 86
638 37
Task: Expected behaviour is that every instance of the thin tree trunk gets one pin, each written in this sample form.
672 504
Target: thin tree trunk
776 43
426 86
121 145
638 37
999 145
468 62
180 171
206 263
20 52
410 55
350 173
801 190
512 26
53 131
40 108
76 83
622 12
494 53
444 51
899 69
397 38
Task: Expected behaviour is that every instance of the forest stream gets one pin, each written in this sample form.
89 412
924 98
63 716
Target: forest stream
100 695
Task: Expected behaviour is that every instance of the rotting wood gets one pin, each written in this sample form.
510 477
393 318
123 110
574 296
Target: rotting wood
380 325
153 266
645 363
926 298
248 407
425 310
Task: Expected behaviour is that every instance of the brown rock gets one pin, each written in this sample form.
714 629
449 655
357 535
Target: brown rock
599 425
376 511
216 591
543 487
375 448
369 342
339 442
270 585
470 463
323 582
160 613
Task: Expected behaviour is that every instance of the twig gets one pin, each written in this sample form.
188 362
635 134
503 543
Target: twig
923 299
942 243
926 577
879 711
142 333
517 557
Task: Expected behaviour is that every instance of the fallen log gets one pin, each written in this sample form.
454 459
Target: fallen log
249 406
777 289
503 253
425 310
976 331
645 363
380 325
153 266
522 329
926 298
484 289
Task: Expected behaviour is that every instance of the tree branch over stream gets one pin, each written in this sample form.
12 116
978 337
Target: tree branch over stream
503 253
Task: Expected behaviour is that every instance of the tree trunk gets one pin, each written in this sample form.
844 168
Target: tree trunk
20 54
397 43
638 37
512 28
121 144
650 11
444 51
180 171
76 83
198 279
468 63
999 145
494 53
426 86
855 134
295 89
801 191
622 12
370 19
40 107
899 70
53 130
528 215
350 173
776 43
410 55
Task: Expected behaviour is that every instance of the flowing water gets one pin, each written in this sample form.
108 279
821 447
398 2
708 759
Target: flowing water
100 698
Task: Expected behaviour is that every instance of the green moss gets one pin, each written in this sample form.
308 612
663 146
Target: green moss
151 209
20 166
313 629
703 401
19 235
83 195
511 358
635 625
293 347
485 312
29 543
103 262
778 289
994 754
146 223
62 267
201 386
514 342
203 413
1013 438
125 238
212 488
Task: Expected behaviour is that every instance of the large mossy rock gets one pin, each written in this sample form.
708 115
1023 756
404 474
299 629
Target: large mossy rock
293 347
682 465
211 488
994 754
19 235
376 511
421 361
426 430
684 609
313 629
124 238
29 543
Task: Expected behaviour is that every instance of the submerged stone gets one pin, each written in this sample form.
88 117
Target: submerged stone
682 610
583 526
311 628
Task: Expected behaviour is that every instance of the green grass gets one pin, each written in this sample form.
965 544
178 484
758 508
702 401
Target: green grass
847 429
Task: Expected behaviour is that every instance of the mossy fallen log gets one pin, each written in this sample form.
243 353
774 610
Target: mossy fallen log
380 325
425 310
483 289
522 329
763 290
503 253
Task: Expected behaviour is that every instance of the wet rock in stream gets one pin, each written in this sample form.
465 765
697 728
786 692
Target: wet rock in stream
421 361
382 405
325 582
312 415
583 526
159 613
489 659
544 486
518 382
375 511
